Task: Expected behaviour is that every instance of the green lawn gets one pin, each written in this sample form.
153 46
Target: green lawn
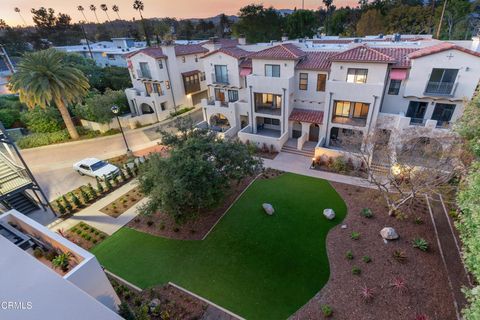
258 266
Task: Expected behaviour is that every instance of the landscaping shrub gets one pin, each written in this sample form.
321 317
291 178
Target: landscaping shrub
125 312
67 204
356 271
8 116
349 255
149 223
60 207
91 191
97 106
108 183
38 253
41 120
181 111
42 139
75 200
339 164
399 256
355 235
366 259
99 186
366 293
418 220
420 244
85 195
366 213
327 311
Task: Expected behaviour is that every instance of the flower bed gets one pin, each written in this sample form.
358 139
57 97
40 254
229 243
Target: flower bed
339 165
123 203
85 235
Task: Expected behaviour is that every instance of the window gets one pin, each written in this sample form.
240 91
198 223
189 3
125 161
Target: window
321 82
360 110
163 106
157 88
268 100
357 75
232 95
443 113
219 95
148 88
221 75
184 59
416 111
111 56
272 70
303 83
441 81
160 64
144 70
342 108
202 76
394 87
273 122
196 58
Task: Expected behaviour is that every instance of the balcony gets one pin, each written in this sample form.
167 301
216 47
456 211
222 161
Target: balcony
191 87
359 122
440 88
274 111
220 79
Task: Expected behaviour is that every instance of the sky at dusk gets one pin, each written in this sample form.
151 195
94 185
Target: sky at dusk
153 8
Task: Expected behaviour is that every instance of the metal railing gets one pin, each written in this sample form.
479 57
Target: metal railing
220 79
361 122
443 124
14 181
417 121
440 88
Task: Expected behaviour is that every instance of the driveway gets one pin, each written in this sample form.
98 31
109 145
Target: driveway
52 165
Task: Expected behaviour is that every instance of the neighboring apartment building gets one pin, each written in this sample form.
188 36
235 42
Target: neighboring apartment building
313 95
106 53
32 289
165 78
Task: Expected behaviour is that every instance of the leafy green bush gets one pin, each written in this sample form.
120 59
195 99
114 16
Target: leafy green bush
366 259
42 139
356 271
349 255
355 235
339 164
97 107
366 213
42 120
9 116
327 311
420 244
181 111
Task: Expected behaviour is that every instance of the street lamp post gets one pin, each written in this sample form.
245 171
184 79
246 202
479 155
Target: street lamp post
116 110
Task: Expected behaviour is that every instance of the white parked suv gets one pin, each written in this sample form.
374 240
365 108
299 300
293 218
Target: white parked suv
96 168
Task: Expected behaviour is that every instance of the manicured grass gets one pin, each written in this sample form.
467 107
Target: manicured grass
258 266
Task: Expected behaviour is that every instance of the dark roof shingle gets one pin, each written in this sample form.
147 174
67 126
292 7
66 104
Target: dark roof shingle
286 51
186 49
318 60
235 52
362 53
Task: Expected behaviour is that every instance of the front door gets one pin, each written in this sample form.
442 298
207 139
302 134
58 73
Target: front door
314 132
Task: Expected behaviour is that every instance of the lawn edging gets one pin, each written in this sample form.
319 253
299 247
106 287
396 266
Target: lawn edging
120 279
206 301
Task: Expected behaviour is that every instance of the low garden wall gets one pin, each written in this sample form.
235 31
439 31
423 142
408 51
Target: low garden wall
127 121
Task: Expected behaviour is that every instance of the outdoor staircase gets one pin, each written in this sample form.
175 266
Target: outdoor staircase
379 168
294 150
21 202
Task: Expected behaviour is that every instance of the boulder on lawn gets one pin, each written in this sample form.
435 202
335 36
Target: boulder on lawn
329 214
389 233
268 208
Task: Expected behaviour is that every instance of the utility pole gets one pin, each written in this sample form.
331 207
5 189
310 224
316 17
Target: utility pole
441 19
303 4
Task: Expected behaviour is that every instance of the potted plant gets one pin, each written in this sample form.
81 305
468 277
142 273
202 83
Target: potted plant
62 261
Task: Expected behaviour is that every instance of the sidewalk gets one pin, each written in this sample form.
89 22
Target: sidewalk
301 165
100 220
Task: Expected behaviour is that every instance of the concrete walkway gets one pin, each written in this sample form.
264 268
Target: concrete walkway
301 165
100 220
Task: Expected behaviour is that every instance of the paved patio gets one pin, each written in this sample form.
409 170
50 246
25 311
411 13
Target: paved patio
100 220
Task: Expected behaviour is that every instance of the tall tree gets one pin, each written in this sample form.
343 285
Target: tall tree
116 9
93 8
81 9
43 78
328 5
104 8
259 24
300 24
371 22
139 6
17 10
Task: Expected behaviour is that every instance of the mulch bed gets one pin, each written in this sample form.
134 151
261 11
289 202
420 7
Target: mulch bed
85 235
123 203
266 155
172 302
163 225
424 274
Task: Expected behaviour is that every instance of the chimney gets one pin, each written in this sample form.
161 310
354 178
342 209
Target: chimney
476 43
242 40
284 37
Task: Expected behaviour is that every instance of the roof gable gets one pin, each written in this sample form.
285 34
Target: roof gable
362 53
440 48
286 51
318 60
234 52
186 49
155 53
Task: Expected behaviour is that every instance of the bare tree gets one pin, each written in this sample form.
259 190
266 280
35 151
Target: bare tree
409 164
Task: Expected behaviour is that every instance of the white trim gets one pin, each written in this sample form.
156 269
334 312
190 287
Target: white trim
113 275
207 301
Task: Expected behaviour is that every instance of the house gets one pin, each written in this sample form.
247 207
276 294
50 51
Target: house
106 53
166 78
33 289
312 96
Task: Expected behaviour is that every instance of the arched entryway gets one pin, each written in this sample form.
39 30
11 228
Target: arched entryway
314 132
218 122
146 108
296 130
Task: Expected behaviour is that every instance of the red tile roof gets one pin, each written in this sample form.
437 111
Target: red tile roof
246 63
318 60
399 54
362 53
286 51
305 115
440 48
186 49
235 52
155 53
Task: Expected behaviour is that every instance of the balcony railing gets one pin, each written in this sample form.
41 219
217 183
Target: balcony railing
361 122
443 124
13 181
269 110
191 87
417 121
220 79
440 88
143 75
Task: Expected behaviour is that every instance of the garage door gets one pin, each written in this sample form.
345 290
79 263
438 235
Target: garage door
197 97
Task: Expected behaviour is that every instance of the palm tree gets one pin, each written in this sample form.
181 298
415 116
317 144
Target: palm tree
17 10
116 9
44 78
138 5
81 8
328 5
94 9
105 9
